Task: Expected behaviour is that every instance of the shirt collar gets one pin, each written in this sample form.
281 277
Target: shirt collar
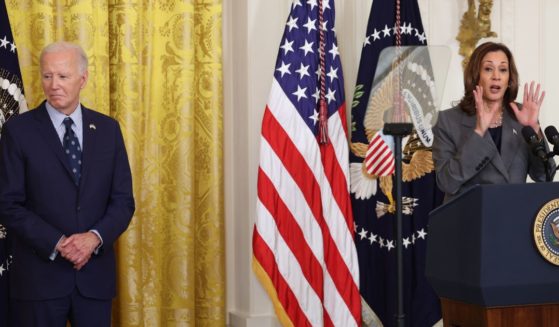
57 117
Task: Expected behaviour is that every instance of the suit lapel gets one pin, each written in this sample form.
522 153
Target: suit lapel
469 122
51 136
89 143
511 139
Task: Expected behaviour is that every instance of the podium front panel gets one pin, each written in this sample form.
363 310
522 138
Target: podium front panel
480 247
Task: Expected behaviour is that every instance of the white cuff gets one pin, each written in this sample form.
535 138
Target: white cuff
94 231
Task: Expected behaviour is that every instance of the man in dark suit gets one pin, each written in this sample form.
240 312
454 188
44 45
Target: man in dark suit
66 196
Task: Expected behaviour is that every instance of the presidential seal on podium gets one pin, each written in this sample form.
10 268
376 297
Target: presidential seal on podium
546 231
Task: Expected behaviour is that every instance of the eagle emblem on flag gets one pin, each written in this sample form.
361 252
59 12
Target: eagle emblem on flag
419 99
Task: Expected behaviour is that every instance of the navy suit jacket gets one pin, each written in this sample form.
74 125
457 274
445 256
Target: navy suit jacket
39 203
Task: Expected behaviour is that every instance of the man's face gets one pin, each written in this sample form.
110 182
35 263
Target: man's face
62 79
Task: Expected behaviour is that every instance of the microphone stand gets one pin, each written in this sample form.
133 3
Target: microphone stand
548 174
398 132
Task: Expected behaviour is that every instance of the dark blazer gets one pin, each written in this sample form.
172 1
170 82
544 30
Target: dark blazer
463 158
39 203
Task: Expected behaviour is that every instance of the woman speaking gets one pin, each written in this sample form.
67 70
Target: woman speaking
480 141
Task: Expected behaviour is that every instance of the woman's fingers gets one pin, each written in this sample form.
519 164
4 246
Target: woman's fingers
540 101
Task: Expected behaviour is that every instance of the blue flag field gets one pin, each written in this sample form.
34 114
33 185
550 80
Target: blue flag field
11 100
372 199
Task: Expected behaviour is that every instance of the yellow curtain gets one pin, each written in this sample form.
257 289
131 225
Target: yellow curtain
156 67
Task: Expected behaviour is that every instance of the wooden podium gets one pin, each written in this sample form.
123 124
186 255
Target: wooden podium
482 259
457 313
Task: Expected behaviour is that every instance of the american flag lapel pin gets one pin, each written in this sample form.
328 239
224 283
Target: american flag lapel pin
92 126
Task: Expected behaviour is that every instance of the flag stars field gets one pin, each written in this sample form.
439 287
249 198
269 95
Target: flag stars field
287 46
284 69
4 42
406 242
292 23
314 116
334 51
303 71
312 3
372 238
307 47
363 233
316 96
300 93
299 48
325 5
389 245
333 73
386 31
330 95
310 25
384 242
376 35
405 28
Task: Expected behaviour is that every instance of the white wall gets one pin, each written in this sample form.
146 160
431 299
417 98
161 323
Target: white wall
252 33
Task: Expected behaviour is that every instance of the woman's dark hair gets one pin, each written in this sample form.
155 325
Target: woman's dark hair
471 76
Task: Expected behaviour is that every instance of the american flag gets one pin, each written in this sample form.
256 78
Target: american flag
11 102
303 244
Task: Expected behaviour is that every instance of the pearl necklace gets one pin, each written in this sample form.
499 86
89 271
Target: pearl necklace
498 122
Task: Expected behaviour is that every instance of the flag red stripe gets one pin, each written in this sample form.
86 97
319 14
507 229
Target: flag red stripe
376 166
376 146
372 162
384 159
291 232
376 143
387 168
311 305
292 160
285 295
337 178
304 177
379 159
381 154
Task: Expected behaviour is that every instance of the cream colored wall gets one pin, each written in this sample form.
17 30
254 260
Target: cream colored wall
252 33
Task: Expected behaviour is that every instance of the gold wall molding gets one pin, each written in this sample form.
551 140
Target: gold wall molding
473 27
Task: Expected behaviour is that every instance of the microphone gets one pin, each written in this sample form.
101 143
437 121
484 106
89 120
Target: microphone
537 147
553 138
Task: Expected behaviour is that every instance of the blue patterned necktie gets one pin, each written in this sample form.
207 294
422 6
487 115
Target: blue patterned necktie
72 150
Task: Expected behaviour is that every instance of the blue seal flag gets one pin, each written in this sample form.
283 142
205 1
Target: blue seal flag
371 189
11 101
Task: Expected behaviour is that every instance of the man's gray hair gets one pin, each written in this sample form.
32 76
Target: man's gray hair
63 45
